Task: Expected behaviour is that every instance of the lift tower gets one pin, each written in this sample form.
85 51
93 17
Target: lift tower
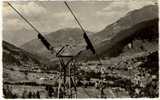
66 78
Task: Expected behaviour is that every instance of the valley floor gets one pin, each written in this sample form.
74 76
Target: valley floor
135 76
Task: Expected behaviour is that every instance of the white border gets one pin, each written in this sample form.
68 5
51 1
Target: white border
1 67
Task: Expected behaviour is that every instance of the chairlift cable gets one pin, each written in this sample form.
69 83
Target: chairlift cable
98 58
74 17
39 31
89 44
23 17
40 36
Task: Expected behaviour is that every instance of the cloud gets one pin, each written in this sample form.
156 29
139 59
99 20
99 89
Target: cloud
117 9
8 12
51 16
63 15
14 24
30 9
12 21
127 5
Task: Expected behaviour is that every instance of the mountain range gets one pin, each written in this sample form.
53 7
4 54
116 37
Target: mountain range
108 42
139 25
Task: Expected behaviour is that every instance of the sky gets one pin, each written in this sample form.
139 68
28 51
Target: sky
49 16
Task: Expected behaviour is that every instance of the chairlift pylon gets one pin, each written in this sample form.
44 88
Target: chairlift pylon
63 67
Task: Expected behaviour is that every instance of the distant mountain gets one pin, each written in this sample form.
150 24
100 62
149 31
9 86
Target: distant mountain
140 24
138 27
129 20
16 60
13 55
71 36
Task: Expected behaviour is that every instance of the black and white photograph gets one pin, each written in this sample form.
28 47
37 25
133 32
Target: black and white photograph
80 49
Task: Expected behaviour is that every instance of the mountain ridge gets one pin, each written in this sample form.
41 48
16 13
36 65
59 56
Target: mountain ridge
110 36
